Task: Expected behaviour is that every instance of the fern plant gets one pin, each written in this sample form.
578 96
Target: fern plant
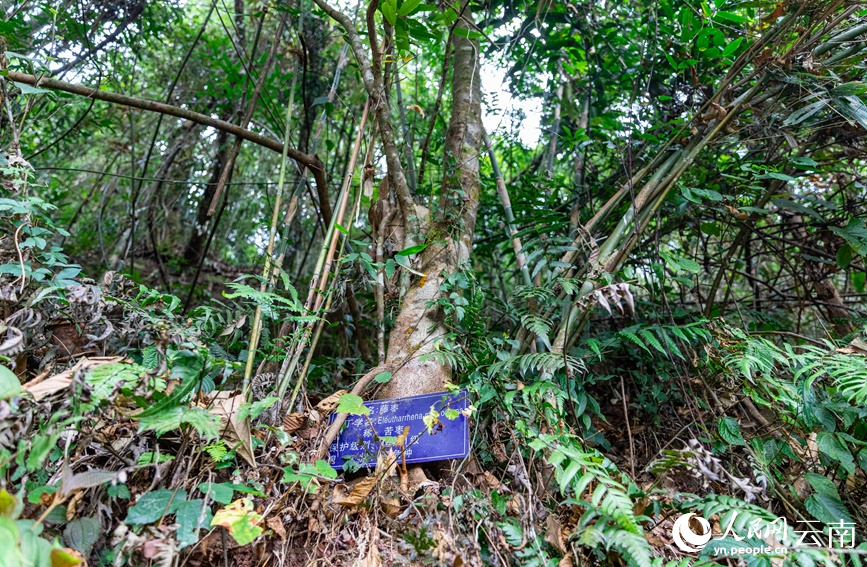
594 483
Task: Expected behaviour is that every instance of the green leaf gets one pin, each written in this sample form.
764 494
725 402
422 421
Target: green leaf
730 430
187 372
35 549
827 509
162 422
254 410
339 227
722 14
389 11
240 520
382 377
732 47
512 530
412 250
191 517
831 446
804 113
204 422
119 491
853 88
9 505
325 470
844 256
855 233
711 228
62 558
352 404
150 357
153 505
218 492
408 7
81 534
10 386
859 279
822 484
29 89
9 538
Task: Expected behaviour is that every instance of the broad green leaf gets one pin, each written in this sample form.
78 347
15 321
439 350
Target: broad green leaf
711 228
844 256
352 404
218 492
240 520
730 16
325 470
9 540
853 88
153 505
827 509
732 47
408 7
389 11
9 505
81 534
63 558
29 89
730 430
192 516
10 386
382 377
804 113
822 484
831 446
36 549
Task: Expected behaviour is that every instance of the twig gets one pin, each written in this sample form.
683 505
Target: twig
628 428
311 162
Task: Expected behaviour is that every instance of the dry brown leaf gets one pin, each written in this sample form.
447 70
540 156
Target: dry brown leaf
392 507
493 482
740 215
327 405
276 525
359 492
386 464
401 439
39 388
233 430
553 533
293 422
415 107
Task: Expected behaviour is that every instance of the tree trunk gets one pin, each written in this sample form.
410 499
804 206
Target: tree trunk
417 328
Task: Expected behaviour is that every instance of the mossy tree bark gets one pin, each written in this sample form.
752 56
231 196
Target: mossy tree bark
418 327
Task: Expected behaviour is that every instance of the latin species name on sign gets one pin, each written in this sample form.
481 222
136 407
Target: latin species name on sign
363 437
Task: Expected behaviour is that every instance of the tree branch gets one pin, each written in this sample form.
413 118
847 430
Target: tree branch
312 162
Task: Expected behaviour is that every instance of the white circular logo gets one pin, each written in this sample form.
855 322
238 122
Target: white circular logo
685 538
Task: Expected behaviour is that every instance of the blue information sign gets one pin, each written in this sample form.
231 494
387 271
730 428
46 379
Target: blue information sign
450 438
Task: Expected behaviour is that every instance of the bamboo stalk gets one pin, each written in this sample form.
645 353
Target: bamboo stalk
503 193
256 330
320 277
329 246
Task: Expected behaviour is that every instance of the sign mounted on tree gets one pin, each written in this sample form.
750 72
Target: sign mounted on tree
430 427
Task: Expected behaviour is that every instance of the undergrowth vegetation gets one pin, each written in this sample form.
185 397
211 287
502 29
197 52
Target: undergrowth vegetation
265 218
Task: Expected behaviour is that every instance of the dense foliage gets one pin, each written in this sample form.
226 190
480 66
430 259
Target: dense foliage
224 223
